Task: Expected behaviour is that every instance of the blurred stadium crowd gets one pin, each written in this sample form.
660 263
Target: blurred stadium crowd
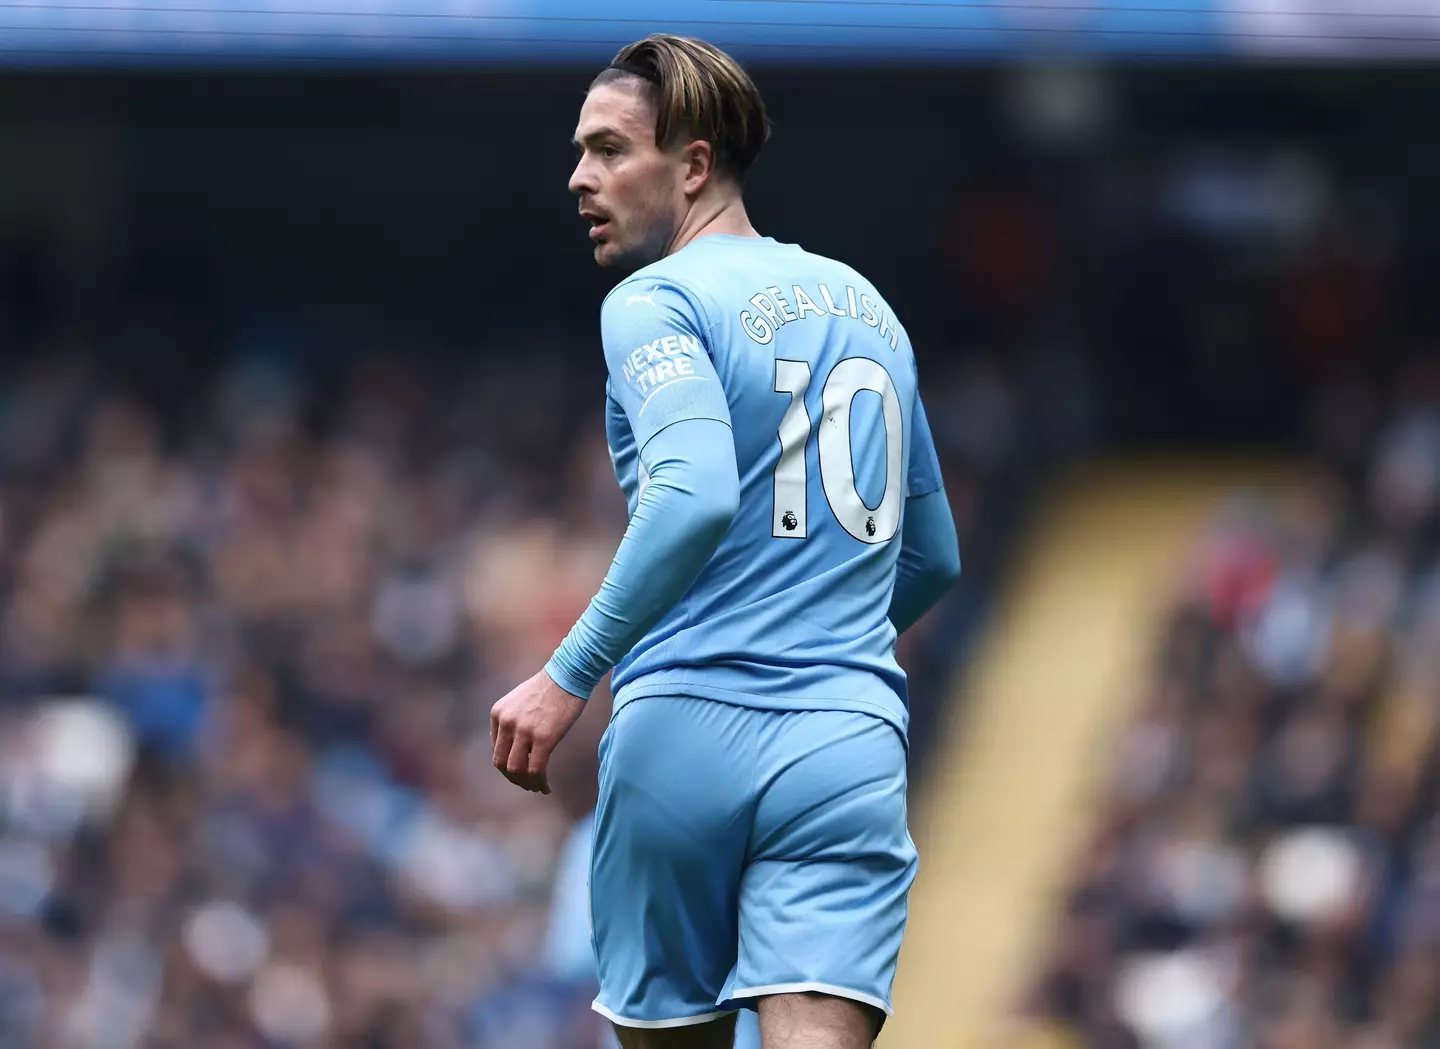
1267 866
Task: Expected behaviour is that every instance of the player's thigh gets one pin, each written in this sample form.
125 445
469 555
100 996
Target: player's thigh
817 1021
671 827
824 899
717 1034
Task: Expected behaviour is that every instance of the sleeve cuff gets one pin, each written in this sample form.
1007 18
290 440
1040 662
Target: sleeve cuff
570 682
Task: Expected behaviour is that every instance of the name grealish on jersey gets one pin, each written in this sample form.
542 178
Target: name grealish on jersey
775 311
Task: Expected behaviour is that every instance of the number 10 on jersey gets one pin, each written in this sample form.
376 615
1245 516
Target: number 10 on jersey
790 517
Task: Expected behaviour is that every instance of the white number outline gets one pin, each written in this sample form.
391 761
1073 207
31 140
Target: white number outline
789 516
789 519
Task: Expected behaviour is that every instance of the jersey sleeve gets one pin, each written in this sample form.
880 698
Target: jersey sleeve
680 518
660 366
929 560
922 473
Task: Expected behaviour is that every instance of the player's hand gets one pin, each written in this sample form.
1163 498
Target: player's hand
525 726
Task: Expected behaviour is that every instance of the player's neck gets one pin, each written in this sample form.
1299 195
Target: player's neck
709 218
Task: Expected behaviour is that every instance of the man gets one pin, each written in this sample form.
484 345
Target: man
786 521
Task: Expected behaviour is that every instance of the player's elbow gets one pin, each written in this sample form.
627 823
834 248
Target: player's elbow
942 562
937 538
947 567
716 487
715 508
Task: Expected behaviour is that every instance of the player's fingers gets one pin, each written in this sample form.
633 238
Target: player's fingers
522 781
494 724
525 769
518 765
540 752
504 741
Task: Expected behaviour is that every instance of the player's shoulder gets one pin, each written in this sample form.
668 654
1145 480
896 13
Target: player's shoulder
649 296
696 280
664 278
809 268
710 269
846 275
842 291
652 305
835 270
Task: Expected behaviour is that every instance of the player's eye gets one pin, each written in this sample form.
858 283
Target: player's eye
609 152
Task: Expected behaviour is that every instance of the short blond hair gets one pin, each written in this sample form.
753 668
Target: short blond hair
700 92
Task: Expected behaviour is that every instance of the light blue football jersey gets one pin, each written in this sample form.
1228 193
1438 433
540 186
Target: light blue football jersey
809 366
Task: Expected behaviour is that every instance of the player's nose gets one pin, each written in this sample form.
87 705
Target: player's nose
582 179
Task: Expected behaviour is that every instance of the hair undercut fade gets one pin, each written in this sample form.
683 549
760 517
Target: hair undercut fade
699 92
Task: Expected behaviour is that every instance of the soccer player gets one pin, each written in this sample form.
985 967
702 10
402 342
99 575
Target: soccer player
787 520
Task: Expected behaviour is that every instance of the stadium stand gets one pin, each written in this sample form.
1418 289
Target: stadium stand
1264 867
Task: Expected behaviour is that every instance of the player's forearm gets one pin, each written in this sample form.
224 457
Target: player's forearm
680 519
929 562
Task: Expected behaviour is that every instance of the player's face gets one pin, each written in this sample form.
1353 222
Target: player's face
631 192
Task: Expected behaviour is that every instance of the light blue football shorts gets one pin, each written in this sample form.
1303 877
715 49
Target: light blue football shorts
742 852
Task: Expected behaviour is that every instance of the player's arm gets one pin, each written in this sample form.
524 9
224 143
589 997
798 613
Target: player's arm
681 517
929 561
662 376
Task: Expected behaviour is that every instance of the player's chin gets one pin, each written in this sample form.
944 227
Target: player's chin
607 254
612 256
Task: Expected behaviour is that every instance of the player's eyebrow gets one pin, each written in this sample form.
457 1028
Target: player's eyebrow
596 135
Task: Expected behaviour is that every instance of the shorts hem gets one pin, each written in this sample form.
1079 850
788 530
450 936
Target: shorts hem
679 1021
811 987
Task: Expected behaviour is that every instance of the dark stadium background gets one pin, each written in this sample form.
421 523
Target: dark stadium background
357 307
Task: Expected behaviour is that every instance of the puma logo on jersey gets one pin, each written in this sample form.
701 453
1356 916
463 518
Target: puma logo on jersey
649 299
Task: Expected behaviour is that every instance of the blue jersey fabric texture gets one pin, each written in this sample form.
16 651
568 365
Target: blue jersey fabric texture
765 425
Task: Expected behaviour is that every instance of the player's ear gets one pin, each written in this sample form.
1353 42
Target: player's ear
699 166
